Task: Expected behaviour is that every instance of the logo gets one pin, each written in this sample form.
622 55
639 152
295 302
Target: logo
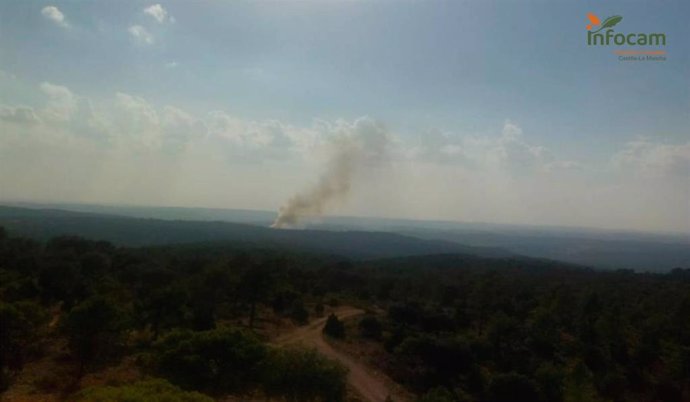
603 34
608 23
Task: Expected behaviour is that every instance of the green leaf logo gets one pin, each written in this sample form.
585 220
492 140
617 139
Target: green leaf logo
610 22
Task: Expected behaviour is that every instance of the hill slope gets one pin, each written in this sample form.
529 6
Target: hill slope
46 223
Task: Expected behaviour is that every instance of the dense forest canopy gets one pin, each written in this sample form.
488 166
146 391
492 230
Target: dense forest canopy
446 327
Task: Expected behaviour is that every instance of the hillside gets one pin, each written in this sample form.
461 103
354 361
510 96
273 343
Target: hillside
83 320
598 248
43 224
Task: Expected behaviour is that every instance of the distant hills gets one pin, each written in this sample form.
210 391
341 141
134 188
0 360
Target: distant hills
600 250
353 236
128 231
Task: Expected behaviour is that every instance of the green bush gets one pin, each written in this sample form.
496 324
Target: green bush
155 390
550 379
370 327
303 375
437 395
334 327
319 309
219 360
512 386
19 324
425 362
299 313
94 328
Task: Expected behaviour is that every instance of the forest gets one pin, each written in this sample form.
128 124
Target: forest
85 320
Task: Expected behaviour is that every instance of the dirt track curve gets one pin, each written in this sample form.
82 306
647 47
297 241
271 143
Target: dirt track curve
370 386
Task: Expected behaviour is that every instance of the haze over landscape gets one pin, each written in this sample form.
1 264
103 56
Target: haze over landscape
344 201
238 105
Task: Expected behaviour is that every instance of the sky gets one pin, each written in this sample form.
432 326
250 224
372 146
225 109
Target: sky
490 111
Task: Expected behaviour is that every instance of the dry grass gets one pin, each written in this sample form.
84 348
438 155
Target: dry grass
369 353
43 379
51 376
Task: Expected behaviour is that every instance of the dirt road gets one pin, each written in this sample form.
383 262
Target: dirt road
371 386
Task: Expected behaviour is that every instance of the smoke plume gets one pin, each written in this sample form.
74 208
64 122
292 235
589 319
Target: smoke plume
355 147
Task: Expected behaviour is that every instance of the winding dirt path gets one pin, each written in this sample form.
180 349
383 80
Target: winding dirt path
373 387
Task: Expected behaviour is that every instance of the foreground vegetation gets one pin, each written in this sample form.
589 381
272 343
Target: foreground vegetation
448 328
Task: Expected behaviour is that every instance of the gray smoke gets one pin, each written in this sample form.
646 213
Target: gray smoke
355 147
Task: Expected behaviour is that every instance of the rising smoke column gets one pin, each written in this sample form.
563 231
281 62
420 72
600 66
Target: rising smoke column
356 147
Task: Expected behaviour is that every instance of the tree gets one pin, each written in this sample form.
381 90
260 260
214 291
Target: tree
319 309
299 313
438 394
551 382
207 291
255 285
162 309
512 387
19 328
93 328
578 386
334 327
430 361
70 246
60 282
94 266
303 375
283 299
216 361
404 314
370 327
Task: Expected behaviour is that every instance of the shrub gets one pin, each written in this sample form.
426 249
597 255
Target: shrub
162 309
219 360
93 328
334 327
429 361
303 375
319 309
370 327
550 379
55 381
512 386
19 323
437 395
283 299
299 313
156 390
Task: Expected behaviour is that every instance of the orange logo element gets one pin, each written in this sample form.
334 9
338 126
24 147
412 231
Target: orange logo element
593 19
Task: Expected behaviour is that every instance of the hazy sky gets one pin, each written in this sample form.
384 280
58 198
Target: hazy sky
493 111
